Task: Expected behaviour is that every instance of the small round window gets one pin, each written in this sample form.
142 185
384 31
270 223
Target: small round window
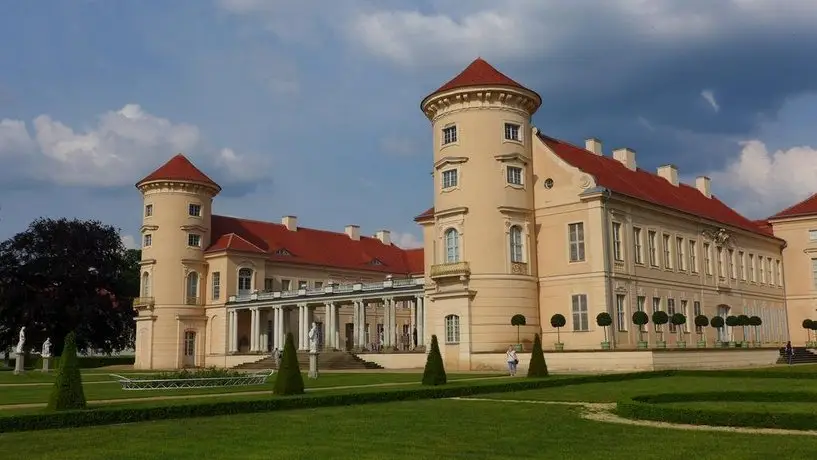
548 183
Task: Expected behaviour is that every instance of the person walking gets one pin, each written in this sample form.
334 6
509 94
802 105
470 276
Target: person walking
789 352
512 359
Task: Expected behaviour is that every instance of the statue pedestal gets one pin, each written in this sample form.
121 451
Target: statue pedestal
313 365
46 360
19 364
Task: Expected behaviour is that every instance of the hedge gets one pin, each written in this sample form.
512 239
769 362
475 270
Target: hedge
753 374
110 416
85 362
649 408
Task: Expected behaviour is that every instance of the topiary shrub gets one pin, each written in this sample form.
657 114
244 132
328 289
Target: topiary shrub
733 322
743 322
538 367
660 318
678 320
558 321
289 380
755 322
604 320
67 393
701 322
640 319
518 320
434 373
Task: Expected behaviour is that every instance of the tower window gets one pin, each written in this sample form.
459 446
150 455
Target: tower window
147 240
514 175
194 240
449 135
450 178
512 132
452 246
148 210
194 210
515 237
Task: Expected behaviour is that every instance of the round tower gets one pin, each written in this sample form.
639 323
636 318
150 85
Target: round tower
176 218
483 270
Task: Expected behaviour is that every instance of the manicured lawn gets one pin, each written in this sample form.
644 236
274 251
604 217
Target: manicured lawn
437 429
91 375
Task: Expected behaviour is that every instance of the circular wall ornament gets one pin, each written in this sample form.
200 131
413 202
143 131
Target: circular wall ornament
548 183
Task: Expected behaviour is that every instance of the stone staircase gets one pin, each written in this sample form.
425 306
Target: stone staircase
327 360
801 355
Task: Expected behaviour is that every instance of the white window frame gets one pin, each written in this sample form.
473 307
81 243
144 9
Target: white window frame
812 235
685 312
216 286
148 210
303 284
671 311
190 237
147 240
618 252
145 284
656 306
452 329
762 263
752 269
721 267
779 273
621 312
508 130
666 241
446 184
511 179
575 239
449 135
638 245
742 265
245 284
697 311
516 243
652 247
192 288
732 264
286 285
680 253
194 206
693 256
451 245
579 313
708 258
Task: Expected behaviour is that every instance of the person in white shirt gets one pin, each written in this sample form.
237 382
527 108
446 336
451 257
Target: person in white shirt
510 357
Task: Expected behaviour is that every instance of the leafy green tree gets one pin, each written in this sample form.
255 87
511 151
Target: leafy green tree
755 322
640 319
701 322
604 320
518 321
434 373
678 320
558 321
660 318
67 393
289 380
538 367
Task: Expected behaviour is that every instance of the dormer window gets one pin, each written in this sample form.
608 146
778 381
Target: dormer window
512 132
449 135
375 262
282 252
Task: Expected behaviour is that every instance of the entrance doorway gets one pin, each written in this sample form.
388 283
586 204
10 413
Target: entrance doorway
349 329
189 349
724 333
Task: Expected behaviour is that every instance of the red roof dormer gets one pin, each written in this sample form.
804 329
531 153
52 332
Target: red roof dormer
179 168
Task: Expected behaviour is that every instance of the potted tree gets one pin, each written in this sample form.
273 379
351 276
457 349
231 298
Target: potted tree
558 321
814 336
743 322
808 325
701 322
733 322
678 320
518 321
660 318
717 323
755 322
640 319
604 320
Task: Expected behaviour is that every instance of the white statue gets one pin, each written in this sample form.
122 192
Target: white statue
47 348
21 343
313 338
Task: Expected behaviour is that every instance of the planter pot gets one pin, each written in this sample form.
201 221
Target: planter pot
732 344
518 348
605 345
757 344
681 344
718 344
702 344
642 345
560 347
660 344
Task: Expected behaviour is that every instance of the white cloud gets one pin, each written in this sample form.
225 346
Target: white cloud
406 240
765 182
129 241
709 97
123 144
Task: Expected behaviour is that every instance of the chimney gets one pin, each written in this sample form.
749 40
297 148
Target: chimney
670 173
384 236
626 157
353 231
593 145
704 185
290 222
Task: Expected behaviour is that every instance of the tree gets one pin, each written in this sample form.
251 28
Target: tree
701 322
604 320
434 373
678 320
717 323
732 321
62 276
558 321
743 322
289 380
67 392
814 328
538 367
640 319
755 322
808 325
518 321
660 318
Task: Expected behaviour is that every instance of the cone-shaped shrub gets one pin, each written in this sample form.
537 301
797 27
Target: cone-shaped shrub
67 393
538 367
289 380
434 373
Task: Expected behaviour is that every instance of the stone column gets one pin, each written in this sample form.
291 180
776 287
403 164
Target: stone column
329 327
278 324
421 320
253 329
301 322
233 331
387 320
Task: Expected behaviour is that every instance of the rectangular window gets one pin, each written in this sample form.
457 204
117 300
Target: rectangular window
693 256
575 234
269 284
732 265
512 132
680 253
814 272
194 210
779 273
621 312
652 248
761 262
318 284
685 312
812 235
286 285
752 276
302 285
580 319
656 306
742 265
147 240
696 311
216 285
449 135
148 210
720 263
769 270
639 256
667 252
640 302
450 178
707 259
617 252
194 240
671 311
514 175
452 329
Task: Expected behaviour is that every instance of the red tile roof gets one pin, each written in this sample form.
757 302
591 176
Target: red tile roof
312 247
807 207
478 73
428 213
181 169
646 186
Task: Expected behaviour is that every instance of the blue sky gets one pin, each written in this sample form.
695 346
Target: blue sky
311 107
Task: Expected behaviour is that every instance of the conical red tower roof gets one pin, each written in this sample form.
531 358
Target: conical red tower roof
179 168
479 73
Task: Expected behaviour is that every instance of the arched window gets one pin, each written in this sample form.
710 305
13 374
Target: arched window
452 329
452 246
193 288
515 240
146 284
244 281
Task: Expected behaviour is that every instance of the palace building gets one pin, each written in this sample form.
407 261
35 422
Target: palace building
522 223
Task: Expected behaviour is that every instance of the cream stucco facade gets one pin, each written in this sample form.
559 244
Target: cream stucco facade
515 229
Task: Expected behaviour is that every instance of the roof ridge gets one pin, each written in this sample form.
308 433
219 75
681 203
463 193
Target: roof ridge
783 211
236 235
331 232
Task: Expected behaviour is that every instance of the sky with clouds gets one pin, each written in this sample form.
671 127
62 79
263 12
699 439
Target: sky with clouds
311 108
